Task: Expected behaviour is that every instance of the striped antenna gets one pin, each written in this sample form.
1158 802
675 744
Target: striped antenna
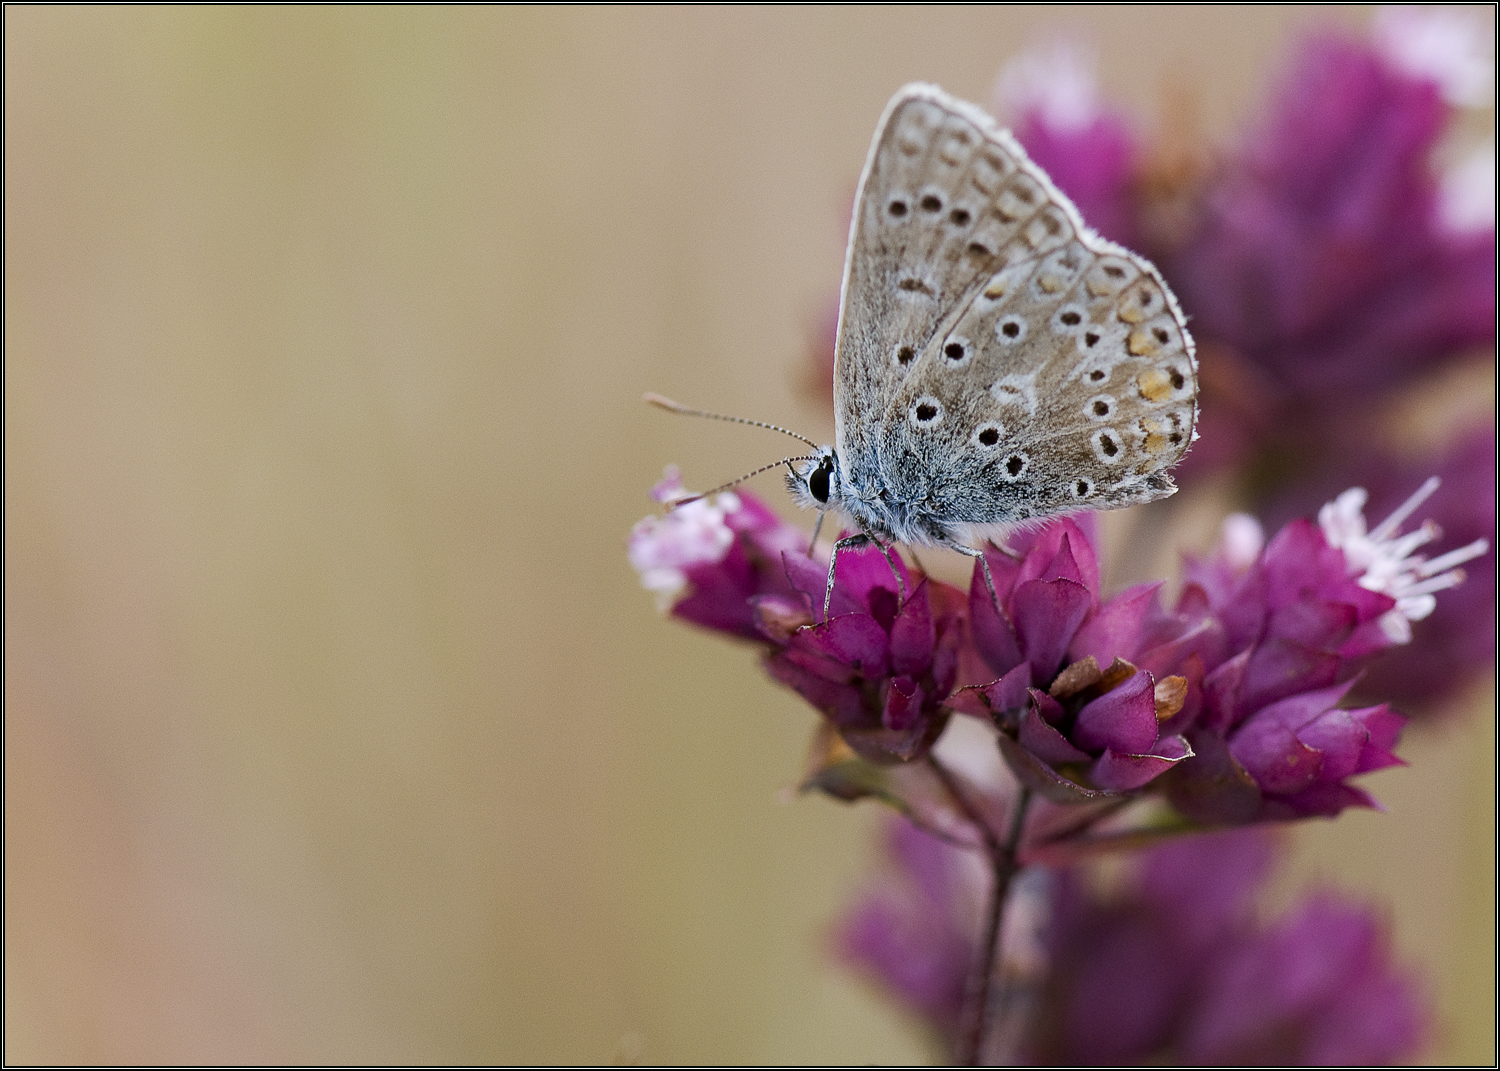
787 461
673 407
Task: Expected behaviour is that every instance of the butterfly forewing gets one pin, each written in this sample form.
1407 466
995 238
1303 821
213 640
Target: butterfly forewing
997 360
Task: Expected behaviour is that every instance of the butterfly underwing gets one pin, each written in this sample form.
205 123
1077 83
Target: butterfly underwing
996 360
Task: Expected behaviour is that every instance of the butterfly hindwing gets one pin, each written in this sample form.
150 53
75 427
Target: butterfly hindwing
995 356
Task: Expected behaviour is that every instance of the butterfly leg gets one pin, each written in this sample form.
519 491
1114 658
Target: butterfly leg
858 541
833 560
989 581
885 549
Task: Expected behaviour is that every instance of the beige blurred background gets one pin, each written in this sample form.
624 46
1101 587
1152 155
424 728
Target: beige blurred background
337 728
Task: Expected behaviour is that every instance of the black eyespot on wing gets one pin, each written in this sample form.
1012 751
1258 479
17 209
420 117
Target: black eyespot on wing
1114 271
954 351
1091 339
989 436
897 208
1070 318
926 413
1096 375
1010 329
1015 464
1161 335
1108 445
1176 379
905 354
1101 408
931 203
959 217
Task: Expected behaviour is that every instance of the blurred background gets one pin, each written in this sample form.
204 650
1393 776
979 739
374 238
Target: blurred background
337 728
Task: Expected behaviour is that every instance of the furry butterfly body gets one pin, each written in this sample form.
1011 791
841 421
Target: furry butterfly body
996 360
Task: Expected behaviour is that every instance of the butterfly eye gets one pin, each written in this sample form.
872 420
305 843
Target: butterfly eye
817 480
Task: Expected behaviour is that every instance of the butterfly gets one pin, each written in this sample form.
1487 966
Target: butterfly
996 361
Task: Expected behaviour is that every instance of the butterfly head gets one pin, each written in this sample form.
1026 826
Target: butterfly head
815 481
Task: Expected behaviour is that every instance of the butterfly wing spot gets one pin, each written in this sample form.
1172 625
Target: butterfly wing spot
1167 383
1082 488
989 435
980 250
960 217
986 173
931 202
1099 407
897 208
1018 390
1006 281
1067 319
1010 329
1153 435
1048 229
915 285
958 350
1110 275
1015 466
1139 304
1106 443
926 412
904 354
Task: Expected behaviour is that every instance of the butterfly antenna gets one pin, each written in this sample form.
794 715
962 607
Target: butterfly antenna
787 461
673 407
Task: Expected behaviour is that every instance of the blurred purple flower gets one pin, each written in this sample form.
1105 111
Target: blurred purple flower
1322 270
1089 152
1176 969
912 930
1322 259
1171 968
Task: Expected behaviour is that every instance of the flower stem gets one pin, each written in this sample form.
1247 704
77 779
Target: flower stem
977 1004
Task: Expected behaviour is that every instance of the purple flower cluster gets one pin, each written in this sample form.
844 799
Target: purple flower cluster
1327 267
1229 702
1172 968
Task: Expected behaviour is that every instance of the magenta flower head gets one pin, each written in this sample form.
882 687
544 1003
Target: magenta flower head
1070 726
707 559
1284 628
878 668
